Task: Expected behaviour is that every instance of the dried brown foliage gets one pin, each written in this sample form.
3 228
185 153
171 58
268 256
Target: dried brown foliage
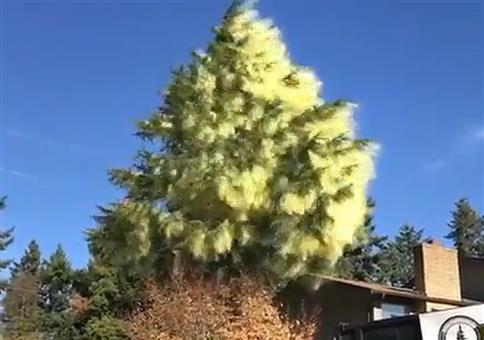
79 304
197 308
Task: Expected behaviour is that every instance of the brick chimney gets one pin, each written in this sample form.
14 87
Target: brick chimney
437 273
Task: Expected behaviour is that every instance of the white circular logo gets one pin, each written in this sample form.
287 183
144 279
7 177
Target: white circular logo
460 328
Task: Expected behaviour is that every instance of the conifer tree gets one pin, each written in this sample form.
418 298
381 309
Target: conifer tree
466 229
107 294
23 296
109 298
56 278
252 165
361 261
397 259
21 303
6 238
460 334
30 262
105 328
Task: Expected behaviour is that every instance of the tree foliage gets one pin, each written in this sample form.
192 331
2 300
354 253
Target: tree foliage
391 261
397 259
6 239
251 166
246 167
197 307
23 313
467 229
103 295
57 280
362 260
105 328
37 301
30 262
57 289
21 303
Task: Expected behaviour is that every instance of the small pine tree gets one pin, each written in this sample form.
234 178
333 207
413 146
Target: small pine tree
30 262
6 238
103 295
56 278
397 259
460 334
23 314
22 299
104 292
466 229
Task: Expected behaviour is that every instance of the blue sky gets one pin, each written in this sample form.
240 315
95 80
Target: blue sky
77 76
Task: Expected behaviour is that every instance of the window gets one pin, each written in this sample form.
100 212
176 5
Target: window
391 310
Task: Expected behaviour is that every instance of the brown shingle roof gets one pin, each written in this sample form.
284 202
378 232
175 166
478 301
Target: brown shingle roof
376 288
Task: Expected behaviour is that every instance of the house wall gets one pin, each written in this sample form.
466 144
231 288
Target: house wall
343 304
337 303
472 278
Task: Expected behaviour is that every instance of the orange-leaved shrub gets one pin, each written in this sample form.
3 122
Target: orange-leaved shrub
198 308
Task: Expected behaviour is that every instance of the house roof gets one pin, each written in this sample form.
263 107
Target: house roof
379 289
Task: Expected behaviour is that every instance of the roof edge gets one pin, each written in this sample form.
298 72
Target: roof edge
379 289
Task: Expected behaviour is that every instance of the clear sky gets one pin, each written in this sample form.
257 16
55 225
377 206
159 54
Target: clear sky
76 76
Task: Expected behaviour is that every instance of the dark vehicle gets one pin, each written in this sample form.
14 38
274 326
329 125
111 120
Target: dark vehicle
402 328
452 324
